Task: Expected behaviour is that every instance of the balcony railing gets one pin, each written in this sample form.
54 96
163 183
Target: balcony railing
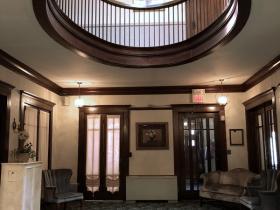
125 25
117 32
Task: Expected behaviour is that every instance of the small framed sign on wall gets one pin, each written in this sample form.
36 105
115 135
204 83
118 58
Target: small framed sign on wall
236 137
152 136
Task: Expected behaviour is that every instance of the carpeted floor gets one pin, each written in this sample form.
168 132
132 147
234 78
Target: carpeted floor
187 205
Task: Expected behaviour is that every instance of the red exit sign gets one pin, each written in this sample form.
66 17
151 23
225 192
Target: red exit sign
198 96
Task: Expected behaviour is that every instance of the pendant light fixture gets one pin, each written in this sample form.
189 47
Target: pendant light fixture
222 99
79 102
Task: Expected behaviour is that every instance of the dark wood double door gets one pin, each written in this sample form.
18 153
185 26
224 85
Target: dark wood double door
200 147
103 152
263 148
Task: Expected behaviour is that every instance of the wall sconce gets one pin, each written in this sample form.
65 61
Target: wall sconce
222 99
79 102
14 124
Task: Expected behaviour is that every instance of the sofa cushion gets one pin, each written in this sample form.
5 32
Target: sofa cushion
224 189
213 177
238 177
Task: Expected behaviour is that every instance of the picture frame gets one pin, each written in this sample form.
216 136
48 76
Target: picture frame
152 136
236 137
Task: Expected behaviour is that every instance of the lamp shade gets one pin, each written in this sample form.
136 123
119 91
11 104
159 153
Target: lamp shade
222 100
79 102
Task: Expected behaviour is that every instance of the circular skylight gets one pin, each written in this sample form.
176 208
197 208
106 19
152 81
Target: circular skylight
143 3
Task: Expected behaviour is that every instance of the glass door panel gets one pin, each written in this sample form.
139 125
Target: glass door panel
199 149
44 130
37 124
103 165
93 153
31 126
262 142
113 153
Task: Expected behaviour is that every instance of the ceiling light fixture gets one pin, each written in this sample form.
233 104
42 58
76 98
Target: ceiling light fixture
79 102
222 99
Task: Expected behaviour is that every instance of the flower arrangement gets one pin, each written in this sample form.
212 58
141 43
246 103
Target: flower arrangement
27 148
151 134
24 151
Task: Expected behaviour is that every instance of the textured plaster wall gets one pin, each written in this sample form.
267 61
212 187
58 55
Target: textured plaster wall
21 83
65 149
65 131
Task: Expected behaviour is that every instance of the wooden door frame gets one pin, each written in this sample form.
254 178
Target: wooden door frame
28 99
221 150
250 105
5 90
102 109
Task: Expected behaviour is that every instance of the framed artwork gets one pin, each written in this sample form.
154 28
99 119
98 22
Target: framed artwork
152 136
236 137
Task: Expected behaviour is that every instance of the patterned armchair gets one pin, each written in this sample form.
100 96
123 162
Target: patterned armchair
57 188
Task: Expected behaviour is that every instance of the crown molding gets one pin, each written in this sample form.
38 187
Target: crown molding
19 67
150 90
263 73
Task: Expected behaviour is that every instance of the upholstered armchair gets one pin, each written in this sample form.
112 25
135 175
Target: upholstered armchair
57 188
266 194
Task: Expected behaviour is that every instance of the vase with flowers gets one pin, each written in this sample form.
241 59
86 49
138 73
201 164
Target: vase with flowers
24 152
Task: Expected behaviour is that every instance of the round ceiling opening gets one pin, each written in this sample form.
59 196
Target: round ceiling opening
143 3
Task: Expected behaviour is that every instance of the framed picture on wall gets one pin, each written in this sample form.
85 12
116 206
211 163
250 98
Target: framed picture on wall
152 136
236 137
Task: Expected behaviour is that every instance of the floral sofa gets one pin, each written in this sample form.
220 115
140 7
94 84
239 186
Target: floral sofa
226 186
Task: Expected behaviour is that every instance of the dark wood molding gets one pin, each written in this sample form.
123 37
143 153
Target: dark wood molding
5 87
259 99
19 67
198 108
150 90
148 108
73 37
263 73
36 101
5 91
28 99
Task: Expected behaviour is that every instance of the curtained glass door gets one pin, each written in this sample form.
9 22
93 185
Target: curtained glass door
103 159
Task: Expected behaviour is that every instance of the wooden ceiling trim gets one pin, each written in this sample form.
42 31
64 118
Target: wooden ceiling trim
19 67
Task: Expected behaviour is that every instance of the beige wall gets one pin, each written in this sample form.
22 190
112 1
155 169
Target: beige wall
151 162
21 83
65 148
65 132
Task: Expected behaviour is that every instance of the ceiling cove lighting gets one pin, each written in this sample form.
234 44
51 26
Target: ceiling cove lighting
222 99
79 102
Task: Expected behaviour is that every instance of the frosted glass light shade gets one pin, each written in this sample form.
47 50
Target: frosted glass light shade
222 100
79 102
